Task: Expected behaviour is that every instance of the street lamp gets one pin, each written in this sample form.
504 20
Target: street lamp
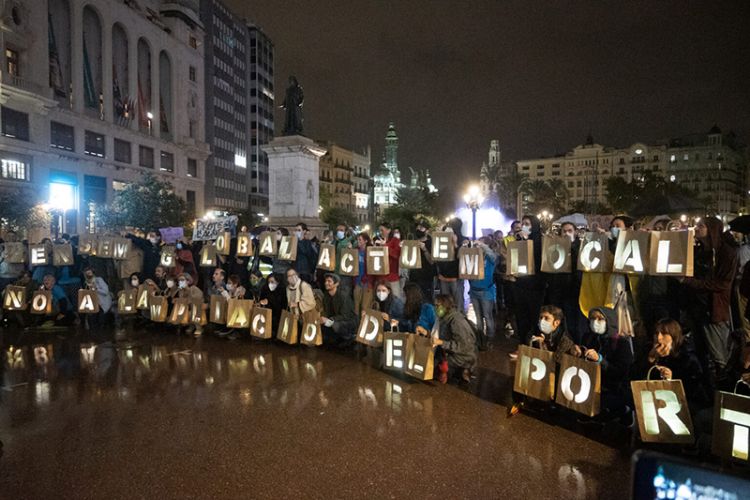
473 199
150 117
545 217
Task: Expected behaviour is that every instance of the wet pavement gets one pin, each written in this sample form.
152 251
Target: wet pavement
156 415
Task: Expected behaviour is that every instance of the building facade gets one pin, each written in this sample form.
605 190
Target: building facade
106 92
345 180
387 183
239 110
713 165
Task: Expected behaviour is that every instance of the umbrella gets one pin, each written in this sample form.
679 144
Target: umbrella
656 219
740 224
666 204
578 220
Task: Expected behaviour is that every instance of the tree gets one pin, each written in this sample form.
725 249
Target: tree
507 188
333 216
144 205
18 211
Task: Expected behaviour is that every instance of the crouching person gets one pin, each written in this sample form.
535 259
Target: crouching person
338 320
457 341
604 344
186 290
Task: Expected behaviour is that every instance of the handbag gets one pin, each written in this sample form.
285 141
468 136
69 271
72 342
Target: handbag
287 329
312 334
665 422
535 373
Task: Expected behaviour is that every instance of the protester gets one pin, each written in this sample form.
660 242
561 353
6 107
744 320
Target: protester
299 294
552 335
604 344
219 286
482 294
194 295
424 277
528 295
97 284
339 323
307 253
448 279
564 288
419 315
151 247
62 313
363 281
22 318
714 270
273 296
232 290
456 341
391 307
673 357
393 244
343 239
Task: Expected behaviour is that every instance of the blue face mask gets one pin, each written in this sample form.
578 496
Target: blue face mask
615 232
339 235
179 246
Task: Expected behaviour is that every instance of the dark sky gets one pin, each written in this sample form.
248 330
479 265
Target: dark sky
536 75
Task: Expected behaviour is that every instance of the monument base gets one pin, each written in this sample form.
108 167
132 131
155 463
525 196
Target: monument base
293 184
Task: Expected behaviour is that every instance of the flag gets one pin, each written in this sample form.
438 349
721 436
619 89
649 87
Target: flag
90 95
55 71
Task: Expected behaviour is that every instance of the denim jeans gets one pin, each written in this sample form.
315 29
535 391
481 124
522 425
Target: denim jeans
456 290
485 313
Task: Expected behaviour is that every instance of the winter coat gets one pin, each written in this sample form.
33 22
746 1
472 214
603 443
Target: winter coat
616 353
459 340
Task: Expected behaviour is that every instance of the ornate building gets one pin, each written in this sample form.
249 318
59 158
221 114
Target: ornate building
96 93
345 179
493 170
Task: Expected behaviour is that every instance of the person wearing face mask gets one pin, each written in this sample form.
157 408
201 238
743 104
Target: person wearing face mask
186 290
151 248
450 283
456 341
391 307
279 266
63 311
343 239
363 282
614 353
184 260
307 253
425 276
299 294
564 288
529 290
552 334
273 297
232 290
170 287
387 239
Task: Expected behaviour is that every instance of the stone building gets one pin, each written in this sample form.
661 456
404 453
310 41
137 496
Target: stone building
94 94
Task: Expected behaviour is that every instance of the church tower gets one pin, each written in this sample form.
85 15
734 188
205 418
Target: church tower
391 152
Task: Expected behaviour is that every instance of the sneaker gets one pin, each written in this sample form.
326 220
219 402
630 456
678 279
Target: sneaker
513 355
224 333
443 372
466 375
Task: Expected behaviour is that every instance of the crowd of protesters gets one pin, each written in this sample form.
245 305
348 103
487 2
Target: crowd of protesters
691 328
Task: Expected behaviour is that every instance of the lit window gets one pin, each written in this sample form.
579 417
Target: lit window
672 158
62 196
93 144
11 62
14 169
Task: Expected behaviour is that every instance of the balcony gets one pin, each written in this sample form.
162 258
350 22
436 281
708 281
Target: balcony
25 85
16 88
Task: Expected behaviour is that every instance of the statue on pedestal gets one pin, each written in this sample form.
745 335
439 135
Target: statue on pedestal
293 106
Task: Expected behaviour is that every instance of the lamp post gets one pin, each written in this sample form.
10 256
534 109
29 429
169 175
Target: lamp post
545 217
150 117
473 199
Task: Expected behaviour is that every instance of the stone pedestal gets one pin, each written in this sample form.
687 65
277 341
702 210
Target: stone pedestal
293 184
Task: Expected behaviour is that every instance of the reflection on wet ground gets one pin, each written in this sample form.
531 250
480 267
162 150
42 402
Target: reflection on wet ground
151 414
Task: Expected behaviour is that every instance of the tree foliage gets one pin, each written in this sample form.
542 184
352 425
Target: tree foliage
333 216
18 211
144 205
650 191
539 195
507 188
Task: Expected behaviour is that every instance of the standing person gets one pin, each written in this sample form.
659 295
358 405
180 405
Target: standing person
362 282
529 290
299 294
565 288
450 284
456 341
343 239
97 284
425 276
307 253
393 244
151 248
339 323
509 281
280 267
184 260
482 294
714 270
273 296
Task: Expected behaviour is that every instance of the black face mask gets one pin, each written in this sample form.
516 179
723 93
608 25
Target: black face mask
420 234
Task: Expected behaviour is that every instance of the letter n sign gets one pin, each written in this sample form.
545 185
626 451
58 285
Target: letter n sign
662 411
731 434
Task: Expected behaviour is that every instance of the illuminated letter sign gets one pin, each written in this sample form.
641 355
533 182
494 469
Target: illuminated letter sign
377 261
370 330
521 258
394 345
15 298
38 255
244 245
672 253
665 400
535 373
731 433
580 385
411 255
326 256
442 247
632 251
288 248
267 244
556 254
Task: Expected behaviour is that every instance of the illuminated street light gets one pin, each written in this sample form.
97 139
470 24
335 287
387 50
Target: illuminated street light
473 199
150 117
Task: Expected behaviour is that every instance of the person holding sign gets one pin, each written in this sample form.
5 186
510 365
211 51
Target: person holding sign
186 290
614 352
424 276
714 270
419 315
20 317
529 290
394 253
151 247
338 319
483 294
232 290
565 288
447 271
391 307
674 358
456 340
62 310
362 282
299 294
307 253
552 334
273 297
97 284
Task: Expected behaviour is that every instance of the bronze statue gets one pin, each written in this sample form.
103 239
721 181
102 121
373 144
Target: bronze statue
293 106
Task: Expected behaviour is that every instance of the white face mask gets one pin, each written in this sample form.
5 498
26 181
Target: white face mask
339 235
382 296
134 282
526 229
230 287
397 235
571 236
170 283
272 286
449 230
154 241
183 284
598 326
615 231
298 234
545 326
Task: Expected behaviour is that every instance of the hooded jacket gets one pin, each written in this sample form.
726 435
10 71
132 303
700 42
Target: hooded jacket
616 352
459 340
715 266
538 280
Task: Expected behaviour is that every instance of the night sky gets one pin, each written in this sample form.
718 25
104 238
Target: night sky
538 76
